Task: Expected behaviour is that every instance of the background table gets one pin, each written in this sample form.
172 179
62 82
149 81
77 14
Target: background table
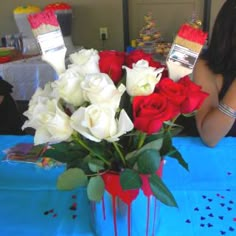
206 195
26 75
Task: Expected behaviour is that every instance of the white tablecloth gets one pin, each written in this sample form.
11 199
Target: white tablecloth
26 76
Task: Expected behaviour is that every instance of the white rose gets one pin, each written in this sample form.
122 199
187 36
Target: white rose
68 87
98 123
99 89
51 124
40 96
85 61
142 79
124 125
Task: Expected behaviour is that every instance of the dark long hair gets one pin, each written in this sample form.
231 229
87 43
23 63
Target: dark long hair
221 53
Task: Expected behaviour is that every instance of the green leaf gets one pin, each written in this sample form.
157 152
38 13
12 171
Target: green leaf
67 147
95 165
155 136
65 152
79 163
99 148
167 144
129 179
131 158
176 130
71 179
95 189
156 144
149 161
62 147
57 155
174 153
169 150
160 191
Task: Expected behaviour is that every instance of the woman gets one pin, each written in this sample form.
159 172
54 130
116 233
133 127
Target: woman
215 71
10 117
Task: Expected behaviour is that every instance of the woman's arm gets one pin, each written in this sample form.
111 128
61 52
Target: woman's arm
213 124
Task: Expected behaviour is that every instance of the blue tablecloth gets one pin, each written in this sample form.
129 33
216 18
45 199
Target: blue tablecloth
30 205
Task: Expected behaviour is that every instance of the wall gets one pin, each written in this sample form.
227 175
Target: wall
88 17
168 15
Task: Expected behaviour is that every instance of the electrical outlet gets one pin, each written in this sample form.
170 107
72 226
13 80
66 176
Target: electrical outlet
103 32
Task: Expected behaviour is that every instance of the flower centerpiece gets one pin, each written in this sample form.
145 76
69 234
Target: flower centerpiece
111 117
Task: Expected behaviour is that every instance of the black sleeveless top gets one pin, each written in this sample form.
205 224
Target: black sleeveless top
10 117
228 79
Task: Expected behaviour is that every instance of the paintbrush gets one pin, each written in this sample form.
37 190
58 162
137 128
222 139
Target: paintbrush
47 31
185 50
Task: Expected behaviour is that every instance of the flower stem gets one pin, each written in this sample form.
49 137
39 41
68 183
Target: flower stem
141 140
83 144
170 127
120 153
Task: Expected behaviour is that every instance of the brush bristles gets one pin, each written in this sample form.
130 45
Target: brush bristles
43 22
196 47
192 34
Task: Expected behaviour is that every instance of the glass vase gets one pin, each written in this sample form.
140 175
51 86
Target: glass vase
112 216
126 213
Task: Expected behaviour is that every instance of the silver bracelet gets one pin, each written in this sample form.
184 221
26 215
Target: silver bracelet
227 110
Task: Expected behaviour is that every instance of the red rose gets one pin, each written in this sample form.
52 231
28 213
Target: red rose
194 96
165 72
172 90
155 64
136 55
149 112
111 62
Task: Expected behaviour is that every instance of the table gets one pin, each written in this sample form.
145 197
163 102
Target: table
206 195
26 75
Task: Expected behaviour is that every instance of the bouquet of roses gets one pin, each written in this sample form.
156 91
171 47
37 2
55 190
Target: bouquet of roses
114 113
